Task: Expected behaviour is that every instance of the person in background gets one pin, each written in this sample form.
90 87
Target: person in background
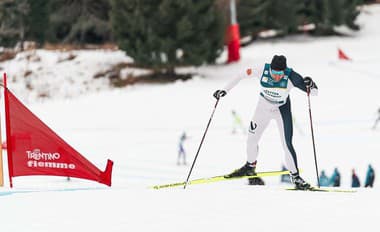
181 149
285 178
355 182
237 123
323 179
335 178
276 81
377 119
370 177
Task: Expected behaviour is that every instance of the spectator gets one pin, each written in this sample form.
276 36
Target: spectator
355 180
370 178
285 178
335 178
323 179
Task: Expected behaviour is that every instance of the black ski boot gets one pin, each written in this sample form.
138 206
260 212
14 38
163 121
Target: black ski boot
299 183
247 170
256 181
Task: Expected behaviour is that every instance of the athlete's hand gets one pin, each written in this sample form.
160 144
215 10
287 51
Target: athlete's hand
309 82
219 93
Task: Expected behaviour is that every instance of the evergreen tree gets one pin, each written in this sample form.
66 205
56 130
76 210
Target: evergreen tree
13 15
163 34
38 20
258 15
326 14
285 16
85 21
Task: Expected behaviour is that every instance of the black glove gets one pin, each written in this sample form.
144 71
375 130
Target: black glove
219 93
309 82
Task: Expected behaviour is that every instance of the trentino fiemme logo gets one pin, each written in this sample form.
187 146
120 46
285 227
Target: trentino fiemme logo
39 159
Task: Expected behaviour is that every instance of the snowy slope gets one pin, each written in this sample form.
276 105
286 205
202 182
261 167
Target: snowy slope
138 128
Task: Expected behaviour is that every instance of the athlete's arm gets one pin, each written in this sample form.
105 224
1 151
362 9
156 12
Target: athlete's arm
298 81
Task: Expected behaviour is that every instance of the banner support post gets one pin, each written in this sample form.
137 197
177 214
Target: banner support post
7 129
1 161
1 158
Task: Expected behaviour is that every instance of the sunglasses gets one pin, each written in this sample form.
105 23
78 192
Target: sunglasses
275 72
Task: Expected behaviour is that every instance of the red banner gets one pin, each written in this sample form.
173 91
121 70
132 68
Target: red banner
34 149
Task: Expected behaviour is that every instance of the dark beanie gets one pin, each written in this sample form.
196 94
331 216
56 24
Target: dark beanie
278 62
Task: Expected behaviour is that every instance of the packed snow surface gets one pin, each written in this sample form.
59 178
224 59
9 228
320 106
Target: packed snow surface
138 127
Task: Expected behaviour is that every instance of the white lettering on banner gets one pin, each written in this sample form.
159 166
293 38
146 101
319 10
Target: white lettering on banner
36 154
41 164
38 159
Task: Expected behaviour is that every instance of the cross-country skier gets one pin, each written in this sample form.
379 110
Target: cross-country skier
377 119
237 123
181 149
276 80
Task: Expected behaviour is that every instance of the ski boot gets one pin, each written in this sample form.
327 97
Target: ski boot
247 170
299 183
256 181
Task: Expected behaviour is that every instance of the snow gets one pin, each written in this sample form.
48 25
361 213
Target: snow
138 127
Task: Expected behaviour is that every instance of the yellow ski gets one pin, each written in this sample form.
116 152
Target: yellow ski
219 178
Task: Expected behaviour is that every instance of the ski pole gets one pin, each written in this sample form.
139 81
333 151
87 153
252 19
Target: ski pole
312 136
200 145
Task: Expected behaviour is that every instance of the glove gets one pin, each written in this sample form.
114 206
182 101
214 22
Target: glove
219 93
309 82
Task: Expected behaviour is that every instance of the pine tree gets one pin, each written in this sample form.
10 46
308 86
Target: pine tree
38 20
258 15
13 15
326 14
163 34
85 21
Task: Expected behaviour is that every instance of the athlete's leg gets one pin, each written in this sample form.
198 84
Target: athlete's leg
257 126
285 126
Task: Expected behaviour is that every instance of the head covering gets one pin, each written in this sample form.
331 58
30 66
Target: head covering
278 62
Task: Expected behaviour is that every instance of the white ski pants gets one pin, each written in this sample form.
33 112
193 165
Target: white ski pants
264 113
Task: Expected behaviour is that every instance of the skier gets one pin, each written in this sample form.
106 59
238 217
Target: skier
181 149
370 178
355 183
276 80
237 123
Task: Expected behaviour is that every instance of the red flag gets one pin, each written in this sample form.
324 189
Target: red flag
342 55
34 149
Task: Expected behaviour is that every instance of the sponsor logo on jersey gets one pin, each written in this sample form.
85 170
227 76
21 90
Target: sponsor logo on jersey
265 79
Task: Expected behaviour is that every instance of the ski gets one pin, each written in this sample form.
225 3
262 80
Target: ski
324 189
219 178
